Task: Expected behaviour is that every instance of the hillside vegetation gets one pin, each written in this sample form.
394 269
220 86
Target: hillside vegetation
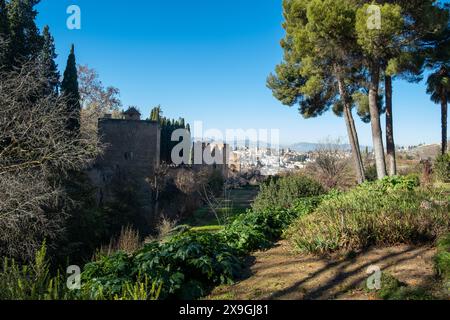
394 210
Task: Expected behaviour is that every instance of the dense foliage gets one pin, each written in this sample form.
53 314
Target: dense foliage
442 167
185 267
168 126
30 282
442 259
282 192
35 281
258 229
70 90
387 212
191 263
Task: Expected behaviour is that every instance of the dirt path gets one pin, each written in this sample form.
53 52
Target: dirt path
280 274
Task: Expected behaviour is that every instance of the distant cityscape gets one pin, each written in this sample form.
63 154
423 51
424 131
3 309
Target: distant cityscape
272 161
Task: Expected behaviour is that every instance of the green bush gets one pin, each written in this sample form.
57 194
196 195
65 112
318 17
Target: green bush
442 259
35 282
371 173
442 168
31 282
257 230
282 192
190 263
393 289
184 267
387 212
394 183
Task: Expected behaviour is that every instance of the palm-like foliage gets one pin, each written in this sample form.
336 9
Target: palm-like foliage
438 86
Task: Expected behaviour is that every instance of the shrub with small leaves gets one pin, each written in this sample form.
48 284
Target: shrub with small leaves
282 192
386 212
442 168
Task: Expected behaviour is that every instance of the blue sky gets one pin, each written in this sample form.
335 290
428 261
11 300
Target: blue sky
208 60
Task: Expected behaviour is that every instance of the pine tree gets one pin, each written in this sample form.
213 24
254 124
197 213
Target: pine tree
47 64
320 69
437 60
406 57
26 41
377 46
438 86
69 89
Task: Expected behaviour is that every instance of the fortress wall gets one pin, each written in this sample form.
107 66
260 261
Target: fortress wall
132 153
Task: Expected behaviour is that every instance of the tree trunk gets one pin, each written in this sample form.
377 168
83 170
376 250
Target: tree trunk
444 115
376 122
352 135
354 142
390 142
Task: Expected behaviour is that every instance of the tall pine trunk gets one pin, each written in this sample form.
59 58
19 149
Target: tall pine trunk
352 134
354 142
444 115
376 122
390 142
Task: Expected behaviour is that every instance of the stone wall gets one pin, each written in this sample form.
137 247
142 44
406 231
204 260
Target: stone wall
217 151
132 153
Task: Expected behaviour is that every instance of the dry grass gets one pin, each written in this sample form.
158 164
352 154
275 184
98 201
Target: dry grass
128 241
163 229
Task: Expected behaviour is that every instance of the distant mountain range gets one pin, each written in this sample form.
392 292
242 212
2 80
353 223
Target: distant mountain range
308 146
305 146
298 147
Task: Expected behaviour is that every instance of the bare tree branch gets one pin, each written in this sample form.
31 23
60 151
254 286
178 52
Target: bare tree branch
36 151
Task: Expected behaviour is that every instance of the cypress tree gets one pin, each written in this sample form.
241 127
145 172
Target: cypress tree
156 114
168 126
26 41
47 64
69 89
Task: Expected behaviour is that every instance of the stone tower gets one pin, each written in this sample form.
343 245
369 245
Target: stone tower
132 153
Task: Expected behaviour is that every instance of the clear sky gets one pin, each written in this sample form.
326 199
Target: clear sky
208 60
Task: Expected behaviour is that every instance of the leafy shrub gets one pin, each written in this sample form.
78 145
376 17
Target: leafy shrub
35 282
442 167
371 173
409 182
257 230
198 260
250 231
393 289
282 192
31 282
442 259
190 263
382 213
106 277
185 266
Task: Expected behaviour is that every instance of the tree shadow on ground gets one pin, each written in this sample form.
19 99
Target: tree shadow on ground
278 274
